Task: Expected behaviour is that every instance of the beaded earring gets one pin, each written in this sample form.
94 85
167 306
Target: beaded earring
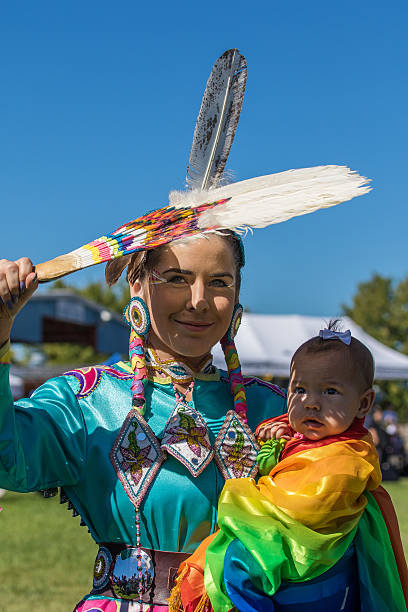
136 315
233 364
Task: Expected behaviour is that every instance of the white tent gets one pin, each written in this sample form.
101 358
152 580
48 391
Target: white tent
266 344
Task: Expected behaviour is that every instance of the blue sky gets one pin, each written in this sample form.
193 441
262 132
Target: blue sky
98 102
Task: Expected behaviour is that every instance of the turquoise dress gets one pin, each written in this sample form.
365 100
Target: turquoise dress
63 434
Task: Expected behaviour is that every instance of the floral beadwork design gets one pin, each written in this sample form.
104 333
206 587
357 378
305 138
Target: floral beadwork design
236 448
237 457
136 456
135 459
89 378
186 438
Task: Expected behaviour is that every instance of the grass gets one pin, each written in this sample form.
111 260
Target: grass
47 559
399 495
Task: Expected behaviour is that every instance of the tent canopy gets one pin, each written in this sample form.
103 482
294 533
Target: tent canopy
266 343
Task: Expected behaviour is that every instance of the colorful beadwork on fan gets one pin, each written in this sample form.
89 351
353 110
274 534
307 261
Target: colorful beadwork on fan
152 230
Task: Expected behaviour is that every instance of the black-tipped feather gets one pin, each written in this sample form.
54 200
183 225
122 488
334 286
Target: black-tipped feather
217 121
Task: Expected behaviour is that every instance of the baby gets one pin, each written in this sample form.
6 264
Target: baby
304 521
330 392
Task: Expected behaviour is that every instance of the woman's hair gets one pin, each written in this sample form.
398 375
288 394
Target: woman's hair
140 264
358 353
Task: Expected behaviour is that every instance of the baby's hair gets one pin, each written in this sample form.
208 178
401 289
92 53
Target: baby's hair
357 351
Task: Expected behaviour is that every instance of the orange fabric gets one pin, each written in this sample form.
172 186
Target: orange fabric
387 510
192 585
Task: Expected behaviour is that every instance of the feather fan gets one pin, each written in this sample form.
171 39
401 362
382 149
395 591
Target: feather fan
274 198
256 202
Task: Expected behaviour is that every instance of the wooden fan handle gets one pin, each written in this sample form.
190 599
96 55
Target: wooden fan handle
56 268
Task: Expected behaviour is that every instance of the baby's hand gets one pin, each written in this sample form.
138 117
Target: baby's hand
272 431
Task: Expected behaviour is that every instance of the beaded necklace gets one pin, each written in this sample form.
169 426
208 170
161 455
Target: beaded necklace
181 397
178 371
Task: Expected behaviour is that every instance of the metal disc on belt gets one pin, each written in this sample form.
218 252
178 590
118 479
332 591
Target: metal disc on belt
127 581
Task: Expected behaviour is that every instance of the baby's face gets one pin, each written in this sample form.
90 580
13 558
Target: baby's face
324 394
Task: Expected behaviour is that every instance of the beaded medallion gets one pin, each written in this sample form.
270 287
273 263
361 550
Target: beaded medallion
102 566
132 574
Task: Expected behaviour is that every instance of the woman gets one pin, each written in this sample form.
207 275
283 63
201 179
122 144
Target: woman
65 433
76 431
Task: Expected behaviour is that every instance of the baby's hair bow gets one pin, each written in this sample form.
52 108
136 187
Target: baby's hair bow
328 334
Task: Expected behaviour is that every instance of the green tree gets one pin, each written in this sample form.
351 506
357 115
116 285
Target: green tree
380 307
74 354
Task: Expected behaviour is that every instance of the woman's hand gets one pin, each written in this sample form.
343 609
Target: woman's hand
18 281
274 431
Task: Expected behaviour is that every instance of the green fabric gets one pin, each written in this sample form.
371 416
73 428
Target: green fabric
277 555
269 455
380 585
283 548
59 438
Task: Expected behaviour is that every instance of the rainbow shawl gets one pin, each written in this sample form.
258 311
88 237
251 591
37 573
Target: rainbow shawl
296 524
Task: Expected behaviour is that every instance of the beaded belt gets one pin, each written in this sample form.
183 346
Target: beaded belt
117 574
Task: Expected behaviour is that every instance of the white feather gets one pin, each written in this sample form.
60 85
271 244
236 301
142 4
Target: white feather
274 198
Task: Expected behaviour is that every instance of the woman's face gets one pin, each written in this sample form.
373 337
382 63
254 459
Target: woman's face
191 296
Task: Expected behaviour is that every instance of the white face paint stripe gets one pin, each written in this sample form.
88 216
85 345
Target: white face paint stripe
343 605
156 279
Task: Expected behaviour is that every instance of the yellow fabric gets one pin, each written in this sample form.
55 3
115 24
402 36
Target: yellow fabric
300 518
321 487
298 521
